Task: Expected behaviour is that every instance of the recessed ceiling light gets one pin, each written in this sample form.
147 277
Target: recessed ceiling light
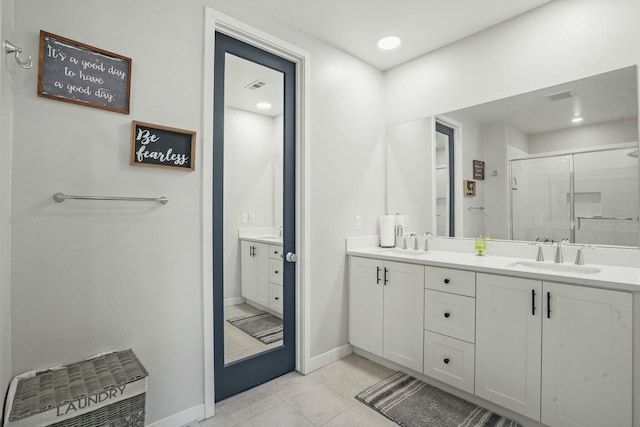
576 120
389 42
263 105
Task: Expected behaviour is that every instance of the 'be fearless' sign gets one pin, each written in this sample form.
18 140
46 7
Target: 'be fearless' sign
162 146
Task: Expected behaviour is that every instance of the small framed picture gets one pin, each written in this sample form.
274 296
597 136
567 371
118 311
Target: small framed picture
469 188
478 170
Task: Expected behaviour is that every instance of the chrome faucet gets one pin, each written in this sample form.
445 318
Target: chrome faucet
415 244
540 254
400 233
427 236
579 257
558 257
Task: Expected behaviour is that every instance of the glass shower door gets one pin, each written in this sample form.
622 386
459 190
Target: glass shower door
606 197
540 198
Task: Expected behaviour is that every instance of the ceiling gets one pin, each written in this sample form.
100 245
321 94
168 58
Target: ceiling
601 98
423 25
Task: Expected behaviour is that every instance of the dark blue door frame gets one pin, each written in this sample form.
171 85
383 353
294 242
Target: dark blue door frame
232 378
446 130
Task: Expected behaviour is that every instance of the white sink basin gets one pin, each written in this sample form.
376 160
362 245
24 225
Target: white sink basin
404 252
556 268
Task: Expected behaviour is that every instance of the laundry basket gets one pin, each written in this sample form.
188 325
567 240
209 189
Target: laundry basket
107 390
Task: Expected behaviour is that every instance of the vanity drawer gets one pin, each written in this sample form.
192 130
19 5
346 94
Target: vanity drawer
449 360
448 280
275 298
275 271
275 252
450 314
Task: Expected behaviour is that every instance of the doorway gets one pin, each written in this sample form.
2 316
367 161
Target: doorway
254 214
445 175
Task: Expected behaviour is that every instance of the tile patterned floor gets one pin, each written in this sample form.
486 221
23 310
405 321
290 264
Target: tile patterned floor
238 344
324 398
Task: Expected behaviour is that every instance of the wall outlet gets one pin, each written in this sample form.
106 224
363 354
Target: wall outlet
244 218
357 222
252 216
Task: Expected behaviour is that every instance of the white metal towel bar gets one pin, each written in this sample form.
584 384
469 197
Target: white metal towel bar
59 197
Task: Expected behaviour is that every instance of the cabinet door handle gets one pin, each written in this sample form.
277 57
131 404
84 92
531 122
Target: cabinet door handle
447 314
386 278
446 361
277 298
276 271
548 305
446 281
533 302
377 275
251 249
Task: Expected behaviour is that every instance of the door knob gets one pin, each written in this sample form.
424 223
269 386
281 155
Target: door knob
291 257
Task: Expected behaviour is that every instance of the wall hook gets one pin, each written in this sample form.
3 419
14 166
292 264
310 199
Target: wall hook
10 48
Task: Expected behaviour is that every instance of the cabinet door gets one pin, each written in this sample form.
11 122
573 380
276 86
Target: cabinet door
587 357
403 314
248 270
508 342
365 304
261 257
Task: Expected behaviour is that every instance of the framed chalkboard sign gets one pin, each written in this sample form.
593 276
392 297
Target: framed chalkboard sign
71 71
478 170
162 146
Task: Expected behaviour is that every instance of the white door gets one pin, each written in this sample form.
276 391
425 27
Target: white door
587 357
508 341
365 304
404 314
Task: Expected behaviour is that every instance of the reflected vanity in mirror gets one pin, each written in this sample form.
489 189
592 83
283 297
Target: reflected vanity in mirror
253 180
561 163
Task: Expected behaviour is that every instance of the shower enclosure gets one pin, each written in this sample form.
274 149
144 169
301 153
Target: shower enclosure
588 197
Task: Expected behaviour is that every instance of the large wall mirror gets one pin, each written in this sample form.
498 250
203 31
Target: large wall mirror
559 163
252 207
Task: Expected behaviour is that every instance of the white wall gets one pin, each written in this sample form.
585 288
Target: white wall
250 156
89 277
410 168
7 68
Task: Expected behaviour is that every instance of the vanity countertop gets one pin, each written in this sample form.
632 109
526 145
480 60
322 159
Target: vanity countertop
607 276
270 240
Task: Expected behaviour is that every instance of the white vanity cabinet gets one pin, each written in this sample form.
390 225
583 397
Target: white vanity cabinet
558 353
449 323
586 356
254 265
261 274
509 342
386 304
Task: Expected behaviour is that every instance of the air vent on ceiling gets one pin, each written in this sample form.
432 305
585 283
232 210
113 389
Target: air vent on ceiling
557 96
256 84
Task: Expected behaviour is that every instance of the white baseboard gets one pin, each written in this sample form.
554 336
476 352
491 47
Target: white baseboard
233 301
327 358
181 418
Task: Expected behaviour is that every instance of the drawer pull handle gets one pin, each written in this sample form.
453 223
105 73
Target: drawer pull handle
446 281
277 298
276 271
446 361
447 314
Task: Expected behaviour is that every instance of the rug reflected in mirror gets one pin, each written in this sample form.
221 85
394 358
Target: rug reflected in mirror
262 326
412 403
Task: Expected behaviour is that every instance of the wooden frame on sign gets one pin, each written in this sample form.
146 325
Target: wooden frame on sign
478 170
469 188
